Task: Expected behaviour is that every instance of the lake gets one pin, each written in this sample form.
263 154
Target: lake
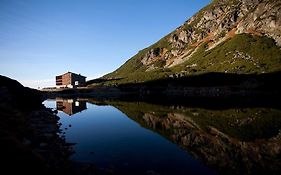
144 138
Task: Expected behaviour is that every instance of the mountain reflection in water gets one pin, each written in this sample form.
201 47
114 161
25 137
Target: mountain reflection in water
235 141
230 141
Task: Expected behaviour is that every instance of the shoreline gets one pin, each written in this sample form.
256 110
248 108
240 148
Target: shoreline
208 86
31 142
200 98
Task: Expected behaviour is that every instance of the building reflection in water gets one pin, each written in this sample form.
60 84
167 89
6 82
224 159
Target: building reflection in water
70 106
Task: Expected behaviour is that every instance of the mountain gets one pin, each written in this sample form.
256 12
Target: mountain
227 36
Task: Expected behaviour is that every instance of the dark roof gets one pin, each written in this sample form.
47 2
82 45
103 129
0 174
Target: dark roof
73 73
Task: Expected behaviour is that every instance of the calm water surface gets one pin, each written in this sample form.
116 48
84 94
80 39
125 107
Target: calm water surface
140 138
109 139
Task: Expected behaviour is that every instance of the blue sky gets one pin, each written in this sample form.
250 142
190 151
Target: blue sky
43 38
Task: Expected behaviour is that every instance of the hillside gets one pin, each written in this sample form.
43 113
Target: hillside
227 36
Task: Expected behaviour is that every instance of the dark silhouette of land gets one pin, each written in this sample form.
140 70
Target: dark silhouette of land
208 90
28 132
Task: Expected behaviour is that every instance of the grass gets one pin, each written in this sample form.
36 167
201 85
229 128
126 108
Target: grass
134 65
265 56
259 55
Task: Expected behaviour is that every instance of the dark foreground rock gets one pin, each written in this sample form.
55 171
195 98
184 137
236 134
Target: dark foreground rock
30 137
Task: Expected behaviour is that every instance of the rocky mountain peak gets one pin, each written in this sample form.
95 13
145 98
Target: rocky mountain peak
220 22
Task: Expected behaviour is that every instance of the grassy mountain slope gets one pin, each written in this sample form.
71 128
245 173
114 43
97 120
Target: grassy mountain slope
226 36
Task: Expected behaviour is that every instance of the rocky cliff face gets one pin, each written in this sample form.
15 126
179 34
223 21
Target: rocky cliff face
195 45
264 20
216 23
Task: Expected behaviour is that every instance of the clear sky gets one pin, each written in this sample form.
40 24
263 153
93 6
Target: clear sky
40 39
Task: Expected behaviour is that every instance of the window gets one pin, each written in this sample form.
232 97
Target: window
77 103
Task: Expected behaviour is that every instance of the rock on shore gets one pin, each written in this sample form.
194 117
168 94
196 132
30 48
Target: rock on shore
29 133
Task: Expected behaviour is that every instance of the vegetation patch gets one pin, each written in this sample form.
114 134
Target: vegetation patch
242 54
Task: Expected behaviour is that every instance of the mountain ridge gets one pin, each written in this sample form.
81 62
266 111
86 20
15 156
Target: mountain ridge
235 36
